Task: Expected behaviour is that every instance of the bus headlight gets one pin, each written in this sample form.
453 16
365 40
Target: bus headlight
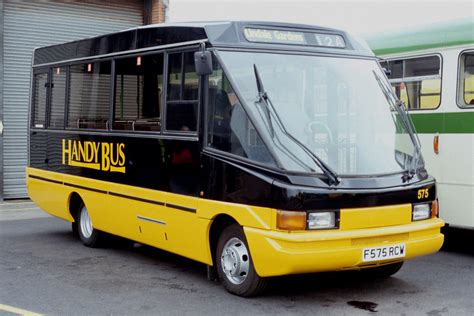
322 220
421 211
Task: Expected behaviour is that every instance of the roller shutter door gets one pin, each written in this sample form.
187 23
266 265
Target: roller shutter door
30 24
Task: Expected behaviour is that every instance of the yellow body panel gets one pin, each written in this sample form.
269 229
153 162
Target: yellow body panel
375 216
181 224
186 233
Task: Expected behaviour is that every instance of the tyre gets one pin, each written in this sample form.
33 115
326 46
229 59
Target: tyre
382 272
90 236
234 264
75 229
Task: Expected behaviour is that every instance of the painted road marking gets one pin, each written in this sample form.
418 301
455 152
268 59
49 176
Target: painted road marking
18 311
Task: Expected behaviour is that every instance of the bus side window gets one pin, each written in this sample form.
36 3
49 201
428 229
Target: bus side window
138 93
182 93
466 80
89 96
229 128
40 99
58 98
416 81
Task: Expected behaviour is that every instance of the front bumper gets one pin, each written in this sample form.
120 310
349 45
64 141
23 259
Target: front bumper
279 252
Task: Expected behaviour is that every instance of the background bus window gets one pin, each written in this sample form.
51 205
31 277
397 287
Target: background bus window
230 130
182 93
138 93
466 80
89 95
58 98
416 81
39 106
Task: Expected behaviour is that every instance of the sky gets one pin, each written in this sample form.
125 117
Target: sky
358 17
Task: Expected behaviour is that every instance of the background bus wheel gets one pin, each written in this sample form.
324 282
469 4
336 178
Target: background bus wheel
234 264
383 271
90 237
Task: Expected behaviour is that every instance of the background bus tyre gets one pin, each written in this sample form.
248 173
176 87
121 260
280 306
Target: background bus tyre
234 264
90 236
383 271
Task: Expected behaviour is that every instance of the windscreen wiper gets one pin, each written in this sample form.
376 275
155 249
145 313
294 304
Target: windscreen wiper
417 155
263 98
407 122
333 178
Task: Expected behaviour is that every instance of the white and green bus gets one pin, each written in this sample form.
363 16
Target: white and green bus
431 69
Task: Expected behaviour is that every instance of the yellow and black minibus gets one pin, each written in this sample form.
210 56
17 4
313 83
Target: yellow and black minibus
259 149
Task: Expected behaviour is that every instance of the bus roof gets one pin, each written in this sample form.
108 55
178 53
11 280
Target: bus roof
446 34
284 36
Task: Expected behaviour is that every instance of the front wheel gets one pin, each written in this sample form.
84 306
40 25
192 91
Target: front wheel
234 264
90 236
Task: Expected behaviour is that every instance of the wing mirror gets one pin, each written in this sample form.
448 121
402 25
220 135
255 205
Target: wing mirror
203 61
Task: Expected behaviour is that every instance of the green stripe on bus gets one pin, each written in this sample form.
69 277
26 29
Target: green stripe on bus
443 34
444 123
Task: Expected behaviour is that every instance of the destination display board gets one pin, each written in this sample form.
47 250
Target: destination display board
278 36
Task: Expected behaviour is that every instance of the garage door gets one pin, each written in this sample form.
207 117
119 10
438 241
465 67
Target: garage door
30 24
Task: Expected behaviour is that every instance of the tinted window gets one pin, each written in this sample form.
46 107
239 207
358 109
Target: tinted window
89 95
466 80
58 97
175 62
182 98
230 130
39 100
138 93
416 81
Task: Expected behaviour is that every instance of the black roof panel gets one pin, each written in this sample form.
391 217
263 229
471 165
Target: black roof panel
218 34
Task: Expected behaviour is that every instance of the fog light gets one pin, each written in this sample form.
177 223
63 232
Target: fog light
421 211
322 220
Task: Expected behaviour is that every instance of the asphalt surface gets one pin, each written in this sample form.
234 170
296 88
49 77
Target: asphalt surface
46 270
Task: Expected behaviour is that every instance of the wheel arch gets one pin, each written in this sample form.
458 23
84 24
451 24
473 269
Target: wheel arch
74 204
219 223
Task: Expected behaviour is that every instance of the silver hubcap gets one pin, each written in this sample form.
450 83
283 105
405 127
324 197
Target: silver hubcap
235 261
86 223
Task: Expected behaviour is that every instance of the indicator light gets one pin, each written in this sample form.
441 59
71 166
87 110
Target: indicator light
291 220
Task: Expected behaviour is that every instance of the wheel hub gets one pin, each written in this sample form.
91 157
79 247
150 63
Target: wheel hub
235 261
85 223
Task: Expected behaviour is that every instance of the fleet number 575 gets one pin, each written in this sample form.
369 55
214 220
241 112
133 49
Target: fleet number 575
423 194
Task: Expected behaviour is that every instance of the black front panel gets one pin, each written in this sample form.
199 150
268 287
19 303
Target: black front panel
234 182
292 197
167 165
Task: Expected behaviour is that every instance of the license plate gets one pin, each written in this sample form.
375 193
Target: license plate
383 253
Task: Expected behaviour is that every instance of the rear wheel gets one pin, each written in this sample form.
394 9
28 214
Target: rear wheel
75 229
384 271
90 236
234 264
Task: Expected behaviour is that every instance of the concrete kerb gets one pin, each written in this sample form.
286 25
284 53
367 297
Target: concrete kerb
20 209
